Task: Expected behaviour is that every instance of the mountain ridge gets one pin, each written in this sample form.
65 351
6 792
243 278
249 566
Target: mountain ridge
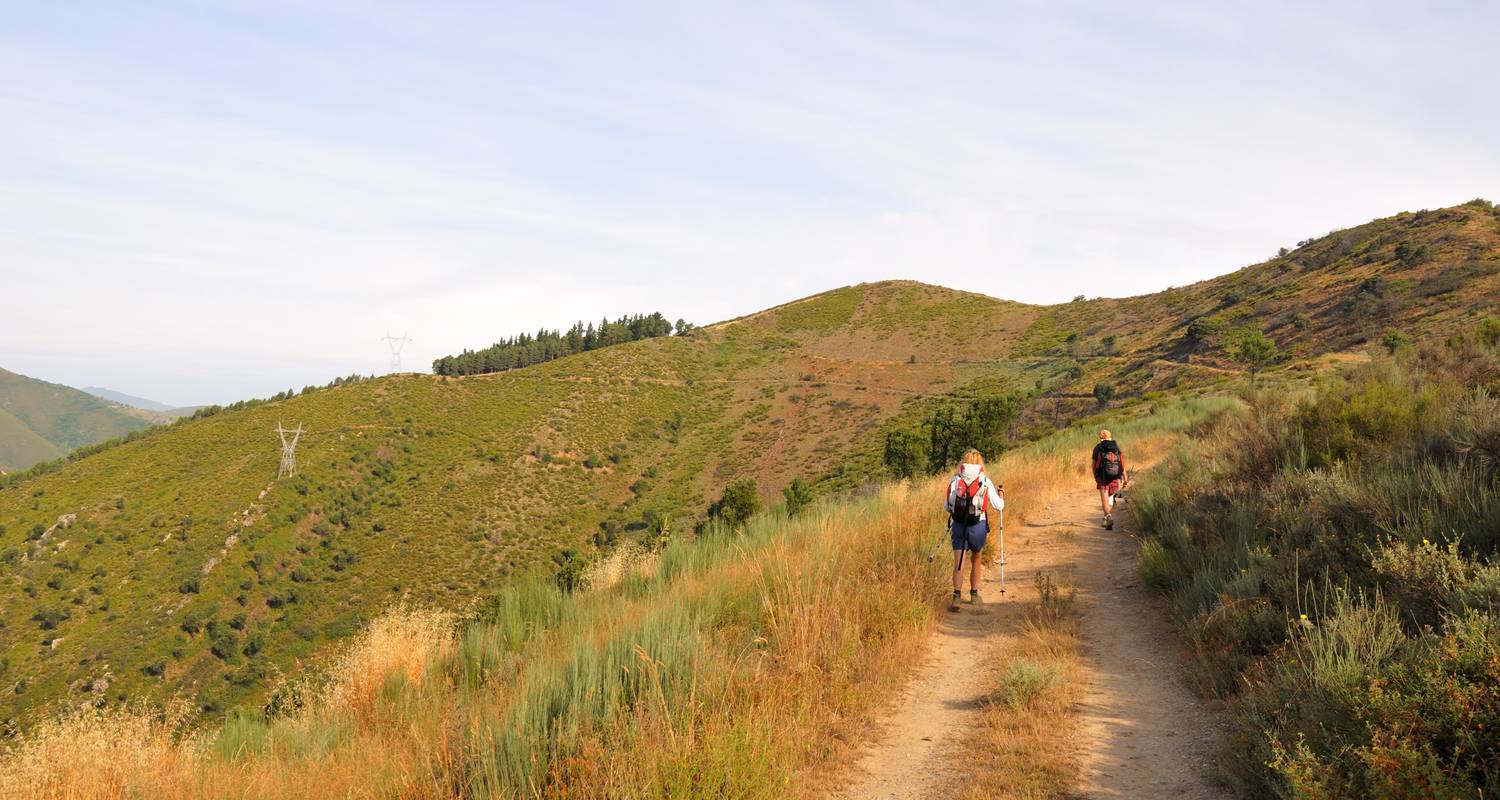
180 563
128 400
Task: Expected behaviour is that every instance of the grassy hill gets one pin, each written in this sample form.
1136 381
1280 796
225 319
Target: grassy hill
60 416
20 446
178 562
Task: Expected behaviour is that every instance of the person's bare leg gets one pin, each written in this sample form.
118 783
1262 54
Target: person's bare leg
1104 501
974 572
958 570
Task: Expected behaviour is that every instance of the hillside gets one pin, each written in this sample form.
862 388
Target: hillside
59 416
179 562
20 446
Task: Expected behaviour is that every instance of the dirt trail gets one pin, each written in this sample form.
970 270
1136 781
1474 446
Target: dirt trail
1143 733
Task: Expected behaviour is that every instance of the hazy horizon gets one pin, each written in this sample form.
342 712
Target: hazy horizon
204 203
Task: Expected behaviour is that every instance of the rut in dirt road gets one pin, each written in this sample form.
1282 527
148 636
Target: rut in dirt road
1143 733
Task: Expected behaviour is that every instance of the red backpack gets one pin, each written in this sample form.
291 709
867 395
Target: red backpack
970 501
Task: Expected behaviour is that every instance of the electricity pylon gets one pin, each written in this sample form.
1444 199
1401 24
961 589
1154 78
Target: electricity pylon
288 450
396 343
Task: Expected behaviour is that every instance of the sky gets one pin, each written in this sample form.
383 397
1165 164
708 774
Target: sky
202 202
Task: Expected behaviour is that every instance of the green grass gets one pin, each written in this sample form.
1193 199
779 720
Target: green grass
824 312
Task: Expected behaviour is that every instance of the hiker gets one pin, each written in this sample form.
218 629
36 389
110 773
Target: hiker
971 496
1109 475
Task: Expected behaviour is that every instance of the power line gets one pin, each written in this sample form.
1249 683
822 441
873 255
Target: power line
396 343
288 450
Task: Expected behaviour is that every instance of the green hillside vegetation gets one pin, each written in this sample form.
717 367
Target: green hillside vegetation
60 416
20 446
178 562
1335 561
742 662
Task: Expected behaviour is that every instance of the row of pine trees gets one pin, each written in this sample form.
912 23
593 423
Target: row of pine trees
527 349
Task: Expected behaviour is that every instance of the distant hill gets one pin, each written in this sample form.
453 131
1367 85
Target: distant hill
20 446
179 562
37 413
127 400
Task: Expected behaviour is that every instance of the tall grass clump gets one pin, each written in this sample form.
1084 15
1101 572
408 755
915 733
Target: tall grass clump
1334 561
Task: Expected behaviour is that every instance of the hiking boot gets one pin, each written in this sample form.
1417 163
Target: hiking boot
1109 522
973 596
956 595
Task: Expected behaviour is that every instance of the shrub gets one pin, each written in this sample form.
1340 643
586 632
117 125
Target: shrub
1254 350
905 453
797 495
226 645
1489 332
1299 542
1156 566
1423 580
740 500
570 570
1023 680
48 618
192 623
1394 340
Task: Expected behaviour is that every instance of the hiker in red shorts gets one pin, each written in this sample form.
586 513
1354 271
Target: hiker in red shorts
1109 475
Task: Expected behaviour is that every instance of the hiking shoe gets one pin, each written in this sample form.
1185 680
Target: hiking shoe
1109 522
973 596
954 606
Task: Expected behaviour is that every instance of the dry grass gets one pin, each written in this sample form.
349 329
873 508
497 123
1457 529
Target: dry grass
738 664
98 754
344 738
1024 748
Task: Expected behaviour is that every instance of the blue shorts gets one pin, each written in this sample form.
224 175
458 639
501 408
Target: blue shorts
969 537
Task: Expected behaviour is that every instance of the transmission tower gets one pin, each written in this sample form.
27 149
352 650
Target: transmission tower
396 343
288 450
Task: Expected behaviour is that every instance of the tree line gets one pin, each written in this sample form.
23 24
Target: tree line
544 345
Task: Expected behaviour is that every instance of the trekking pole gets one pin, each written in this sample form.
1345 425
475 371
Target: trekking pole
1002 551
937 545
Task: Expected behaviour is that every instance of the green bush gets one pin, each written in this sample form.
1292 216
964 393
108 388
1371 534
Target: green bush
1023 680
741 499
1335 564
797 495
